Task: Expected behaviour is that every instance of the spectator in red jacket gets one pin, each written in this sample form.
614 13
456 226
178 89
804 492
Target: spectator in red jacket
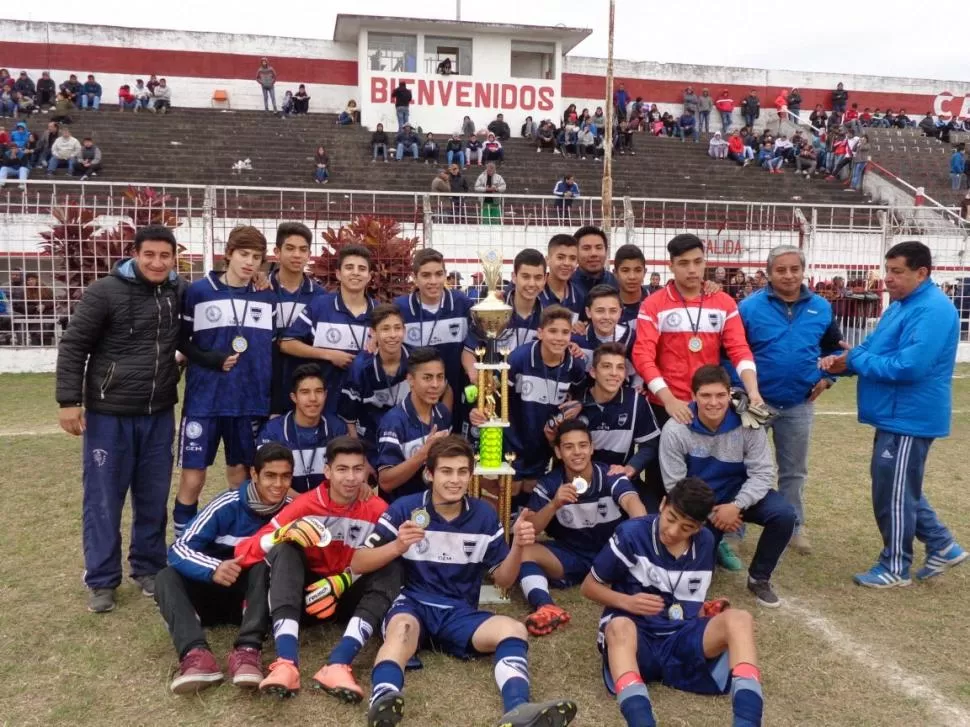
781 105
126 99
738 151
725 106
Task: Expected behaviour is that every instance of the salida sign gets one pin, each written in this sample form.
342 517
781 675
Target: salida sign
955 106
466 94
723 247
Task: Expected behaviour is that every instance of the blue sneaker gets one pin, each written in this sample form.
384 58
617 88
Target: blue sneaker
939 561
880 577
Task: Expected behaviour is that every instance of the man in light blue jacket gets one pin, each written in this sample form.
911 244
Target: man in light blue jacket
905 371
788 329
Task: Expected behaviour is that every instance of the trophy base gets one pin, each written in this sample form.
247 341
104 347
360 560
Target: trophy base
494 423
493 595
491 367
505 470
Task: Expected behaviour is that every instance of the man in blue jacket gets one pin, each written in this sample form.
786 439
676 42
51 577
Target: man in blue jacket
789 328
905 371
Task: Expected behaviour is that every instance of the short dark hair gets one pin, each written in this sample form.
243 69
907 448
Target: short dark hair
628 252
450 446
916 254
555 313
157 233
601 291
592 230
423 355
684 243
612 348
692 497
570 425
272 452
709 374
344 445
353 251
424 256
561 240
306 371
382 312
529 256
288 229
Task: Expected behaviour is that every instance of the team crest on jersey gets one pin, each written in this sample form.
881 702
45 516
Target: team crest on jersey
601 509
673 319
333 335
353 533
693 584
193 430
565 516
469 547
621 420
100 456
382 398
414 335
422 546
213 313
454 328
526 388
713 319
652 575
257 313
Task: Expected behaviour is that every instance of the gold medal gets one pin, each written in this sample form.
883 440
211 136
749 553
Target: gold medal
675 612
581 485
421 517
239 344
695 344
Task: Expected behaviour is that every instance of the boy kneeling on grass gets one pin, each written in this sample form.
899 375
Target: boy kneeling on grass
653 578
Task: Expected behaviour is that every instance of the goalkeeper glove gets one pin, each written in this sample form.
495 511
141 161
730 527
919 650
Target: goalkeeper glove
714 607
306 532
322 596
753 416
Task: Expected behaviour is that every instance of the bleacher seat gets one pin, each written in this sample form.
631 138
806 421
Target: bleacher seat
220 97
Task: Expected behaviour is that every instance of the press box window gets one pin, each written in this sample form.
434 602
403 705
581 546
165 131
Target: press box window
392 53
531 59
457 50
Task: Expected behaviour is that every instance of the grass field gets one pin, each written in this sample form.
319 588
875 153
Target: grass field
833 655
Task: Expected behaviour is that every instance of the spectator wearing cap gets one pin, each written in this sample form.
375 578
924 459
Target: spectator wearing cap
430 150
453 281
46 92
406 140
91 94
477 290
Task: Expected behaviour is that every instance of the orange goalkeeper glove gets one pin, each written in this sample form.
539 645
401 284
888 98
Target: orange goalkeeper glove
714 607
307 532
322 596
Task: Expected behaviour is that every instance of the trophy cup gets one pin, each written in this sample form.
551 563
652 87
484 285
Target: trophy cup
490 317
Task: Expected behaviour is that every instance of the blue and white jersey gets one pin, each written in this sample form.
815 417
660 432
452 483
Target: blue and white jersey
584 282
369 393
535 395
587 525
635 561
570 300
630 311
445 569
327 323
212 535
446 329
400 434
289 305
308 444
622 334
213 315
620 426
518 331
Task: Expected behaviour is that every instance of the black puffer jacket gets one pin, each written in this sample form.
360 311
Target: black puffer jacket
124 332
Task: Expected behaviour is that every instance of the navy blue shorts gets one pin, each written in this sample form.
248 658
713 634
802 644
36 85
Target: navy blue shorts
575 564
199 439
677 660
448 630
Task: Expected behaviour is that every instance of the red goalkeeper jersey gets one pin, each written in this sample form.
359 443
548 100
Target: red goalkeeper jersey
666 324
349 525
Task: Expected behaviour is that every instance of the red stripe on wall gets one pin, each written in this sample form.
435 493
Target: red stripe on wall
193 64
575 85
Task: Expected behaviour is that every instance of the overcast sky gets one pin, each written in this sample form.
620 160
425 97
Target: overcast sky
880 37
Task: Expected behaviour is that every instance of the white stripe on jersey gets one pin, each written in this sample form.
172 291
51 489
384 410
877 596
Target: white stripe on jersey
684 585
612 440
288 310
451 548
583 515
316 458
537 389
341 336
676 320
445 330
349 531
212 314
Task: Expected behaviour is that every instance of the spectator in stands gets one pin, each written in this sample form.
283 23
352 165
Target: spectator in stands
349 115
321 170
492 148
143 97
624 138
794 104
467 127
928 125
301 100
570 116
901 120
440 184
500 128
444 68
8 107
738 151
458 186
473 150
87 162
490 181
818 117
598 121
546 137
401 98
691 102
807 161
430 150
620 100
162 101
944 125
72 88
958 166
585 142
19 135
63 108
865 118
153 83
455 151
725 106
288 107
781 105
704 106
655 283
46 92
406 140
686 126
91 94
378 143
528 128
840 98
784 148
770 160
45 143
751 108
860 160
851 119
878 120
266 78
126 99
717 148
565 191
835 120
14 161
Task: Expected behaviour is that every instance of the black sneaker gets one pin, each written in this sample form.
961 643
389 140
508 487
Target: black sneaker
764 593
386 711
101 600
556 713
146 583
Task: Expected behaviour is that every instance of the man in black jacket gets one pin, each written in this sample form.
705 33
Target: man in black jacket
117 361
500 128
46 91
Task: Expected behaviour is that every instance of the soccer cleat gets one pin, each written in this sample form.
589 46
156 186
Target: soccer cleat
939 561
727 558
764 593
283 680
546 619
556 713
338 681
101 600
245 668
198 670
146 583
880 577
386 711
800 543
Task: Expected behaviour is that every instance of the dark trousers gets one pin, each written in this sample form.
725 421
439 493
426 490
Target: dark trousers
188 606
777 517
122 453
651 487
368 598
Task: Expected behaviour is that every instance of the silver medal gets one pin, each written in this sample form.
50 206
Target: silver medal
239 344
581 485
675 612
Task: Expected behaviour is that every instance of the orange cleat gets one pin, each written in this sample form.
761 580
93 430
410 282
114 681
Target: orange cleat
546 619
338 681
283 680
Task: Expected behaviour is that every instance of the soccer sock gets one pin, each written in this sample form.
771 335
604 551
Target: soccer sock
746 698
387 677
634 700
535 585
182 514
286 634
355 636
512 672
